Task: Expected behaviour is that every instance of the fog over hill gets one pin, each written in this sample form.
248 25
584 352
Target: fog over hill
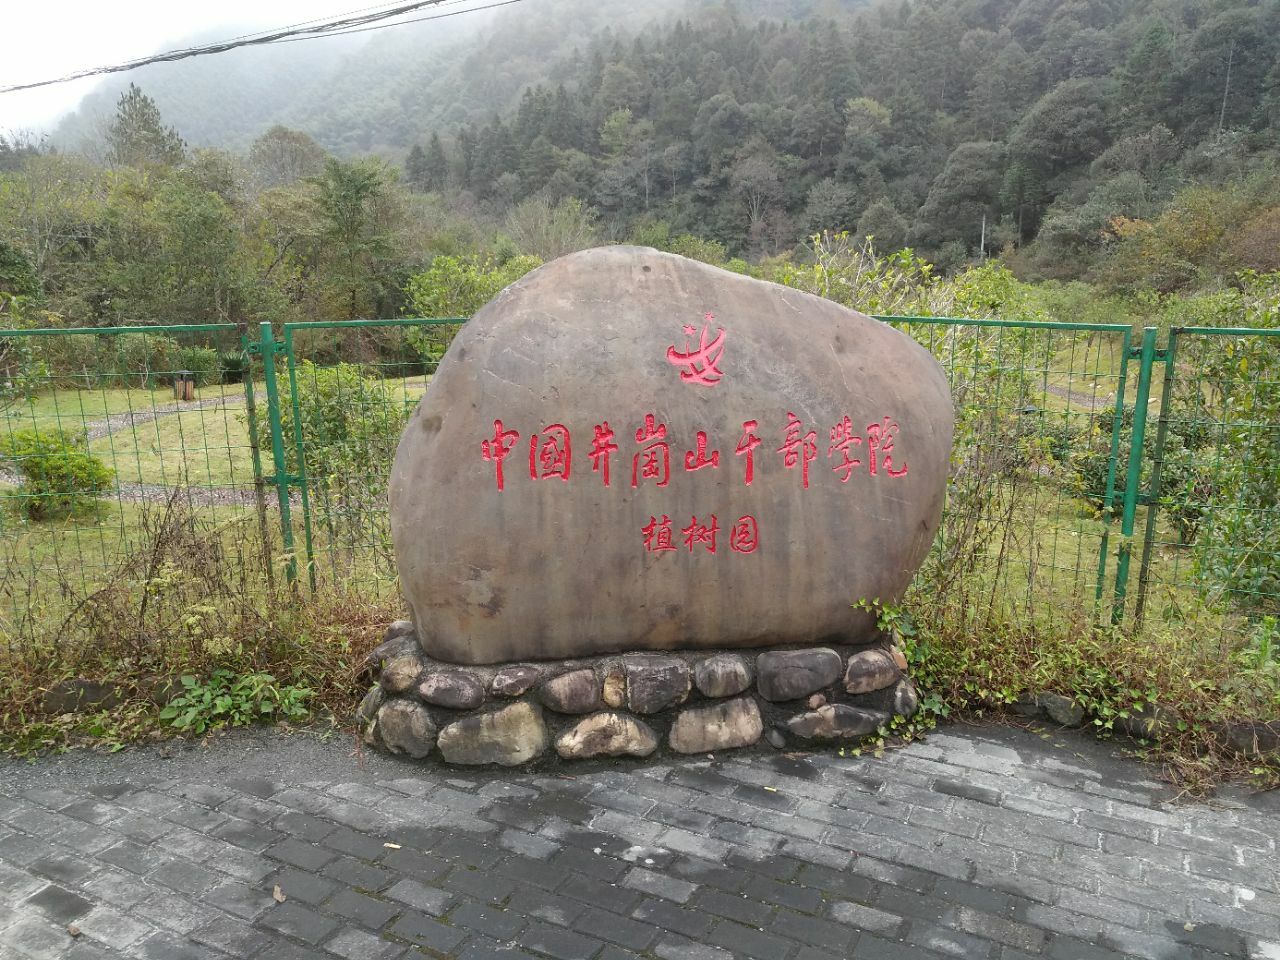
377 91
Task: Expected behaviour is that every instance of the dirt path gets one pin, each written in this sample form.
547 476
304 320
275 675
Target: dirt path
97 429
1083 399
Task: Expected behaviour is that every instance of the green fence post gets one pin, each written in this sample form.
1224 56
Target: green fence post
268 346
1133 477
1109 495
247 348
1157 462
299 452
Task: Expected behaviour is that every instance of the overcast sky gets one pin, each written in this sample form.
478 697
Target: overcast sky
52 38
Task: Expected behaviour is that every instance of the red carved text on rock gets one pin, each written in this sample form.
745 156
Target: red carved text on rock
654 459
880 438
797 448
657 534
701 363
745 535
497 449
602 448
699 534
842 438
553 457
746 446
696 460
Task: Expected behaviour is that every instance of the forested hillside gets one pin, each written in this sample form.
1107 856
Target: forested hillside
916 122
1129 145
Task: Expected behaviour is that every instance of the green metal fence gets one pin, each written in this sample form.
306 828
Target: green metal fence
1132 472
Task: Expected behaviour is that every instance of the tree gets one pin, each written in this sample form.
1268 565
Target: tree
416 169
755 182
137 136
547 231
17 275
17 147
282 156
1063 129
830 205
962 195
437 172
357 214
171 252
882 222
1001 92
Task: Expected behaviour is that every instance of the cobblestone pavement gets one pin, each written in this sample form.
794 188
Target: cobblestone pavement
985 842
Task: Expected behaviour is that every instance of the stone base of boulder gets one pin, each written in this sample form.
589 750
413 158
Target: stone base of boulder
629 705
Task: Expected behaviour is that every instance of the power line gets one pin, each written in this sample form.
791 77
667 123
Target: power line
398 23
358 22
305 23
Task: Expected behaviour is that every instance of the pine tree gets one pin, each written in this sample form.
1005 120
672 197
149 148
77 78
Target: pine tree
416 168
138 137
437 164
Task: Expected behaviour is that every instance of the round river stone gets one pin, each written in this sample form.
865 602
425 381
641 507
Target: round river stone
629 450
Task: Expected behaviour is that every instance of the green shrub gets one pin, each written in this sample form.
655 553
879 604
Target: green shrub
232 365
203 362
139 359
227 700
22 369
1186 483
350 425
457 287
59 475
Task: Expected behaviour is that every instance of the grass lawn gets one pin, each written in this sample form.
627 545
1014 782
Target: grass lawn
205 445
202 447
70 407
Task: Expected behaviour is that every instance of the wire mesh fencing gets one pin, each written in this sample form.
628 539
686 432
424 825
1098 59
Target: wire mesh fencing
101 431
1092 468
1211 530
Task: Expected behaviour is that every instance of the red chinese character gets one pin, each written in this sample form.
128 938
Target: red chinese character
797 449
657 534
745 535
700 364
880 443
653 460
747 444
699 460
602 447
497 449
695 533
842 438
553 457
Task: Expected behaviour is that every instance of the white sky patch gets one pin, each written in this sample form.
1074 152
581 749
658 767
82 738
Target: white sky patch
50 39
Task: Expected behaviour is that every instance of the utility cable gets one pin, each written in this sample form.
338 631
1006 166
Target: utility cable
346 24
398 23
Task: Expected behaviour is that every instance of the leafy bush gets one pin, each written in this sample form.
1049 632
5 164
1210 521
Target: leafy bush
1227 404
350 425
227 700
346 419
59 475
140 359
203 362
457 287
72 359
232 365
1186 484
21 366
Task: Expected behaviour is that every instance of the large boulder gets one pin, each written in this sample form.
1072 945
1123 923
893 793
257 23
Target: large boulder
629 450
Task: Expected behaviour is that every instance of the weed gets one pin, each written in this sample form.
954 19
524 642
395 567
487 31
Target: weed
227 700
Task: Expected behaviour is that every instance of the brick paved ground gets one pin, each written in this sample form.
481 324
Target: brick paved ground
982 843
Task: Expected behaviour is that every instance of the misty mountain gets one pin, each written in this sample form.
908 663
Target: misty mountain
375 92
